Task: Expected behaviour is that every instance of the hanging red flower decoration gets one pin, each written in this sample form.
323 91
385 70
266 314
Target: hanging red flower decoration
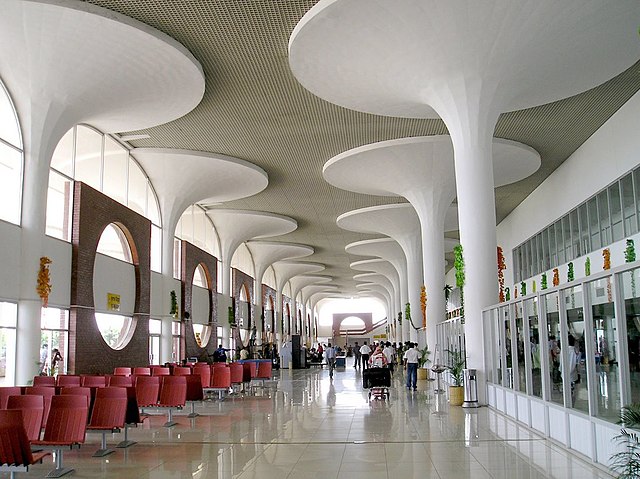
556 277
501 267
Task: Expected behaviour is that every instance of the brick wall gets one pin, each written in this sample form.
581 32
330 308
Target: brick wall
192 256
92 213
268 302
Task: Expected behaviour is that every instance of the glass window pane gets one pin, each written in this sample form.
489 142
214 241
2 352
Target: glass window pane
59 202
62 159
583 219
115 329
594 224
153 211
10 184
8 322
137 192
522 368
559 242
553 348
576 250
114 180
603 212
615 210
8 315
155 326
154 349
630 281
566 232
156 249
531 311
54 318
533 252
114 243
605 349
553 252
506 325
628 206
9 130
88 159
575 351
540 263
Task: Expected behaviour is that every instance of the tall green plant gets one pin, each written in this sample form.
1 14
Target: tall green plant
457 362
424 357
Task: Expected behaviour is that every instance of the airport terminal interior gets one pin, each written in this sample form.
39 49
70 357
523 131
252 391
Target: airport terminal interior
269 177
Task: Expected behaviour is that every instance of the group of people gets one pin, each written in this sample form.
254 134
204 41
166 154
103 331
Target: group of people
384 354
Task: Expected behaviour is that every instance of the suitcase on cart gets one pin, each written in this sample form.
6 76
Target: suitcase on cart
377 381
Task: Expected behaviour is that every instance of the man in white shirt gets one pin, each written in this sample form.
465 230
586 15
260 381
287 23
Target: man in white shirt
365 351
411 365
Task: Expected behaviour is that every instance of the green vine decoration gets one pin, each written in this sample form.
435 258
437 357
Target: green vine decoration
174 304
587 267
570 273
400 317
543 281
460 277
523 288
507 293
407 315
630 252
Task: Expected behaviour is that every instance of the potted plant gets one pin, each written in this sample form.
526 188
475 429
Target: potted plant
422 363
626 462
456 366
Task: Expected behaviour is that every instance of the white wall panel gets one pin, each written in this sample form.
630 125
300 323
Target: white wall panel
113 276
557 425
581 434
60 269
10 261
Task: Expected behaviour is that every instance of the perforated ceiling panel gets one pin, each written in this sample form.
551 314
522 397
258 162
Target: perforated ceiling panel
254 109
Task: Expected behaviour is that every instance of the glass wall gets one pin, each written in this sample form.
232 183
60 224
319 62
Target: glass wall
11 159
85 154
563 345
155 328
54 324
609 216
8 321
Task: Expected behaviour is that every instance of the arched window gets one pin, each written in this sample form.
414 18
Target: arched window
114 288
85 154
11 160
197 228
200 307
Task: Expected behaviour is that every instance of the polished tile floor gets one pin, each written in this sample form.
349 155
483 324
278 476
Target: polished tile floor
305 425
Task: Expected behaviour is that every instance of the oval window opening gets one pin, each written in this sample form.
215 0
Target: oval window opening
114 288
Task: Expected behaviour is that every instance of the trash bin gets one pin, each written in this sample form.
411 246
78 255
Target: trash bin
470 388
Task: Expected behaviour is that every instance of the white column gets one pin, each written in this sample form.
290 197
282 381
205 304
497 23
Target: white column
226 292
476 211
166 326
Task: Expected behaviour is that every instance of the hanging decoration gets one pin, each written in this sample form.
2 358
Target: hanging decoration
587 267
43 287
534 287
523 288
606 255
174 304
556 277
423 305
232 317
515 292
507 294
460 277
501 267
543 281
400 317
570 273
407 315
630 252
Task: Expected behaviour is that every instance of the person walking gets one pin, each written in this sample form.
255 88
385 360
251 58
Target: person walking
390 354
330 357
411 365
365 351
357 355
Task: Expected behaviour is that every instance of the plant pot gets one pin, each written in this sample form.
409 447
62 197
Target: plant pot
456 395
422 374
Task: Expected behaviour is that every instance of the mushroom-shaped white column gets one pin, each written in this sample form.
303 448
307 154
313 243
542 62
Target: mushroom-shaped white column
285 270
401 223
236 226
500 55
204 177
58 62
387 249
384 268
264 254
421 169
297 283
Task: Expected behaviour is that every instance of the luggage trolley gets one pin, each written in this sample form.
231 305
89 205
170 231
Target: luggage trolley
377 381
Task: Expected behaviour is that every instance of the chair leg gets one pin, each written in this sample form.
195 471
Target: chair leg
170 422
126 442
103 451
60 470
193 412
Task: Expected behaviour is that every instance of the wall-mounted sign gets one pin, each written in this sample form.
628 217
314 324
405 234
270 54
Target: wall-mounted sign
113 302
379 336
